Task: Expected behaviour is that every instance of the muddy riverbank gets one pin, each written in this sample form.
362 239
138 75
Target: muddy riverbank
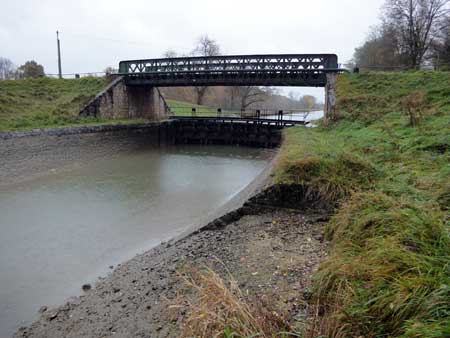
270 252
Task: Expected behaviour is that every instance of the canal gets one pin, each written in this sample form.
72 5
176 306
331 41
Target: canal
69 226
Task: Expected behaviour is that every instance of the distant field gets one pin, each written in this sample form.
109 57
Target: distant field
180 108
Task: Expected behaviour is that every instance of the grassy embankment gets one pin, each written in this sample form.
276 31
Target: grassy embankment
388 274
42 103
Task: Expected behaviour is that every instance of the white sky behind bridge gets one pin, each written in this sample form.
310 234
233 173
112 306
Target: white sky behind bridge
99 33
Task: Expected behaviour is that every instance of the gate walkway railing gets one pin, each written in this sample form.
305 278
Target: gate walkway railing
271 116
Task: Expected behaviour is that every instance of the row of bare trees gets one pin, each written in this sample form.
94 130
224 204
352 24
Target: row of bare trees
8 71
412 33
241 97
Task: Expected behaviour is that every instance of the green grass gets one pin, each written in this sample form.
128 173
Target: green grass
388 273
41 103
180 108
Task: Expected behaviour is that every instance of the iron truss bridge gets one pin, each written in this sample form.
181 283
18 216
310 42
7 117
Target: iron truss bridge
307 70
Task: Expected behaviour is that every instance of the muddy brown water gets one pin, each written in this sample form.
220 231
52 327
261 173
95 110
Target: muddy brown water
65 228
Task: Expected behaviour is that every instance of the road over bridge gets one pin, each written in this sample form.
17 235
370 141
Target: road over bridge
135 92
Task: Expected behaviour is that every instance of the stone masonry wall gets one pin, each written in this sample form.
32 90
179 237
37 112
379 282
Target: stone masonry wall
27 154
120 101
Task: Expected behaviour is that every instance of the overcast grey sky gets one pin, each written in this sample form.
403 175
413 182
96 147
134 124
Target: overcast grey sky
97 34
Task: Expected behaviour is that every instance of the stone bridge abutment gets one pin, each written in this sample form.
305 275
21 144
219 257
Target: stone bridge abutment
120 101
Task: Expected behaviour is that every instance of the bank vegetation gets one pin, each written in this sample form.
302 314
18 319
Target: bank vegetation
384 167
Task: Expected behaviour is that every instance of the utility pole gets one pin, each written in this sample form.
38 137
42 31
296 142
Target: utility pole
59 55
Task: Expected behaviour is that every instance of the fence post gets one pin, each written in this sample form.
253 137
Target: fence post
280 115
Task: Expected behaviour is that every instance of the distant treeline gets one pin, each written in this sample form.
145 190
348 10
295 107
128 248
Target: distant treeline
237 98
413 34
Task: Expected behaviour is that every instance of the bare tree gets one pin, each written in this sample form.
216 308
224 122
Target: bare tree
170 53
7 69
294 96
417 23
251 95
244 96
110 70
205 47
440 47
110 73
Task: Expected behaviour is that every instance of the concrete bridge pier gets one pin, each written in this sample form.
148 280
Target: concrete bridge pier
118 100
330 97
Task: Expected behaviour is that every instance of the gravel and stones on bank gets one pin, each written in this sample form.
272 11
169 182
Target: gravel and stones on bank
272 255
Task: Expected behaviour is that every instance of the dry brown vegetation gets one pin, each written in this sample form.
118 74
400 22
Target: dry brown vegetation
218 308
414 104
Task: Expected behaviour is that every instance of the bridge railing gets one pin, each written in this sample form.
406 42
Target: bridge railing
262 114
232 63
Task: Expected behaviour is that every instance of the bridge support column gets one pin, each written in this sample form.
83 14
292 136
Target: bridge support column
118 100
330 98
143 102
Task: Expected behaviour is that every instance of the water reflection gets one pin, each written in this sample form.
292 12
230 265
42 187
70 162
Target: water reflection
64 229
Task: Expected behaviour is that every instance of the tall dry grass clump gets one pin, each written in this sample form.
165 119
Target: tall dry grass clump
218 308
414 105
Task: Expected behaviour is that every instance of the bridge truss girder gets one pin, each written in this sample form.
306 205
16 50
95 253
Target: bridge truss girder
237 70
292 78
